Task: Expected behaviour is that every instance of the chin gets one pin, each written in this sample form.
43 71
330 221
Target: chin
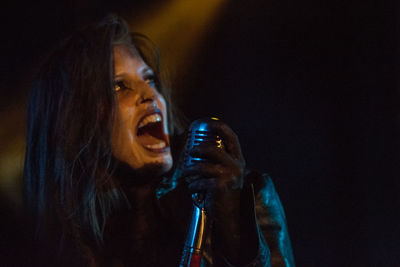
160 167
155 167
149 173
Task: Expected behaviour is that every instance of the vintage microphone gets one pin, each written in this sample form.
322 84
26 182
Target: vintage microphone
199 133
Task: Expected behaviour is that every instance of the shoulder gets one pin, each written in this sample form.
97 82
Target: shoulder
271 218
264 188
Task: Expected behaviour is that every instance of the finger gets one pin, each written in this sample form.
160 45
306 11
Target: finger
220 158
192 177
204 169
229 138
215 155
231 141
203 185
211 186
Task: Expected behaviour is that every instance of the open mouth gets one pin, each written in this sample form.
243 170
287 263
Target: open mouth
150 133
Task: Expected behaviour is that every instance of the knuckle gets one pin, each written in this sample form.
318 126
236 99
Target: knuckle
237 169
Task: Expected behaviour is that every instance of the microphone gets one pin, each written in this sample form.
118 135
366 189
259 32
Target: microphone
200 132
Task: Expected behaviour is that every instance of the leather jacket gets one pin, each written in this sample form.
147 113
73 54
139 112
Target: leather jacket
163 243
274 244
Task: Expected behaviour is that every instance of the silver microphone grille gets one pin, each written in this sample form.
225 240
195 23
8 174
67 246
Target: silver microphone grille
200 133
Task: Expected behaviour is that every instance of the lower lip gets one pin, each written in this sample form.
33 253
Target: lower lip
157 150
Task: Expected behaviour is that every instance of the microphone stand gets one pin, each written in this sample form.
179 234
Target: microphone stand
200 133
192 251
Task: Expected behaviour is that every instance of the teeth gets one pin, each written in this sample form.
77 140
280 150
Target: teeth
150 119
156 146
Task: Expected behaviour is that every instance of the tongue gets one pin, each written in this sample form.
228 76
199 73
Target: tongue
147 139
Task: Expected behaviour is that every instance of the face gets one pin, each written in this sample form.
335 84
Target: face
140 133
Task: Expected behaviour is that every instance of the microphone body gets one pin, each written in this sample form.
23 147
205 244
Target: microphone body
199 133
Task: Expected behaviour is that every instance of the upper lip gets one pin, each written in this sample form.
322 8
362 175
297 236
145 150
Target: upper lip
153 110
150 112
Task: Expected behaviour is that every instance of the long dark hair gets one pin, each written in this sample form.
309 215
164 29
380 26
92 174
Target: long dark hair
68 164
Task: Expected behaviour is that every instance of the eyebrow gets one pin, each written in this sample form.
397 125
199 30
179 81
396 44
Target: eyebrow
120 75
145 70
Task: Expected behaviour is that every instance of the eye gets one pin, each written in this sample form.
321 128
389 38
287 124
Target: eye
119 86
150 79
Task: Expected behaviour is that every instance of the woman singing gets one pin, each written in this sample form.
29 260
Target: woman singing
102 179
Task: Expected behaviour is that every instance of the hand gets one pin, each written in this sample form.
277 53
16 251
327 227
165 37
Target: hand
220 177
228 201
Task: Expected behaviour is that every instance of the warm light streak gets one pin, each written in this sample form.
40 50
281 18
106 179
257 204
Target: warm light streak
178 27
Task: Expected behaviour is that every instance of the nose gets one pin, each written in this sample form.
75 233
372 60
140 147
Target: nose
148 94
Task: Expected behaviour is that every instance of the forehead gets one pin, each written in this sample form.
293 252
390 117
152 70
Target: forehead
127 57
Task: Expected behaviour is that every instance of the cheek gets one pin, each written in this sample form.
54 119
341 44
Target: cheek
163 106
122 137
125 113
126 98
117 138
121 124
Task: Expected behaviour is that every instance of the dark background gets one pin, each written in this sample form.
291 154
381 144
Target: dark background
309 87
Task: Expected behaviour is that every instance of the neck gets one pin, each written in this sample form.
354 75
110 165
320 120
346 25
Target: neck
136 178
141 198
136 225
